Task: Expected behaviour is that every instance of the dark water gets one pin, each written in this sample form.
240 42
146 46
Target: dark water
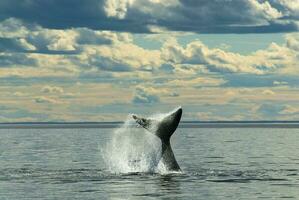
217 163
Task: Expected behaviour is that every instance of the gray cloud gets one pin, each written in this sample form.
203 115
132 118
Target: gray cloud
21 115
142 96
30 39
52 89
196 56
12 45
292 42
63 14
9 60
108 64
270 111
206 16
87 36
46 100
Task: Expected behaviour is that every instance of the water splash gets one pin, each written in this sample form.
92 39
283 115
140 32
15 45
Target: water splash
132 149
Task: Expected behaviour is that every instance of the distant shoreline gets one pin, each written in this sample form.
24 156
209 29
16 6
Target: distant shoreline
183 124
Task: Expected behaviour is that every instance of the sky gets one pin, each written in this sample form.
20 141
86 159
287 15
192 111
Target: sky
99 60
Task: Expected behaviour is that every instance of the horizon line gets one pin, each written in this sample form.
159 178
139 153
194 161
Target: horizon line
187 121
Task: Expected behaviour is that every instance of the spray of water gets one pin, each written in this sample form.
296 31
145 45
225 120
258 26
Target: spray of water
133 149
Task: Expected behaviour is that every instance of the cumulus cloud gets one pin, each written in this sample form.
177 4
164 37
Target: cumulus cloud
120 56
35 39
265 10
22 115
116 52
198 55
197 82
174 94
15 45
145 96
52 89
19 94
46 40
274 58
268 92
291 8
43 99
81 48
12 28
87 36
117 8
13 60
107 64
71 40
289 110
278 83
292 41
269 111
213 16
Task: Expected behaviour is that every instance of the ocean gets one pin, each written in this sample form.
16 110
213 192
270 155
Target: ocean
108 161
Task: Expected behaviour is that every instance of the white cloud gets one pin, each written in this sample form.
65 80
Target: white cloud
192 73
120 56
268 92
291 6
289 110
117 8
212 16
196 82
92 37
19 94
292 41
144 96
11 60
265 10
55 40
26 45
110 51
280 83
12 28
43 99
276 58
52 89
165 2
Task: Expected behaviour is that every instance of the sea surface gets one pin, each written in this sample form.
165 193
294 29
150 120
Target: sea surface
217 163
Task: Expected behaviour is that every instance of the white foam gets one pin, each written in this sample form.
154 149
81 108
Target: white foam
132 149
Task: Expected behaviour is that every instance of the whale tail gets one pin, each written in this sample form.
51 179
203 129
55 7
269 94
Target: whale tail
163 128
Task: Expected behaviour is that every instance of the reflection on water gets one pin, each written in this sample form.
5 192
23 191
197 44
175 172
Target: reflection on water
169 183
216 163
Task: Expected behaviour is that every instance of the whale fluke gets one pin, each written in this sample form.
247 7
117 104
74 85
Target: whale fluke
164 128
